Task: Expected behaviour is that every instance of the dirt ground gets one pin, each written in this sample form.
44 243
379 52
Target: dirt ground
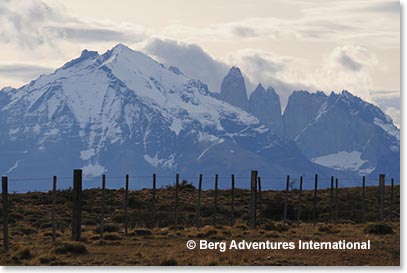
164 246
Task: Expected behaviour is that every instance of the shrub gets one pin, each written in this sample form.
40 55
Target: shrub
71 248
46 259
111 237
170 262
328 229
108 228
276 227
207 231
24 254
142 232
25 230
378 229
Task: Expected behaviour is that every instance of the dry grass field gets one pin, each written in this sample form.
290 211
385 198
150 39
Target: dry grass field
31 244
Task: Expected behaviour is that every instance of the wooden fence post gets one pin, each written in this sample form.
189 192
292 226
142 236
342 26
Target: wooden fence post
4 182
198 210
299 202
232 216
76 208
154 200
287 184
260 202
314 210
331 200
363 199
253 187
102 213
336 200
176 201
215 201
381 196
126 208
391 199
53 212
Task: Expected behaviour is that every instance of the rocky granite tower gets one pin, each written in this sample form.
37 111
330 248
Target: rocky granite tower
233 89
265 105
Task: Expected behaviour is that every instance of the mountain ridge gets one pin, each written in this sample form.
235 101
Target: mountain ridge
122 111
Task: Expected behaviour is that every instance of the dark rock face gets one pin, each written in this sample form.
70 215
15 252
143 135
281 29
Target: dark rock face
300 111
265 105
343 131
233 89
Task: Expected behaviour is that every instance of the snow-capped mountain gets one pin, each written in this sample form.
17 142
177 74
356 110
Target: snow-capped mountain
343 132
122 112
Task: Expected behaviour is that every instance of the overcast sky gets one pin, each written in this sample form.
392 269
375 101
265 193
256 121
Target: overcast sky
298 44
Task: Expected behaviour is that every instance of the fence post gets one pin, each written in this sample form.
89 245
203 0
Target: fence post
287 184
176 201
76 208
215 201
260 202
336 200
4 181
299 202
198 212
126 207
331 200
232 216
314 210
102 214
363 199
391 199
253 183
53 212
232 221
381 196
154 200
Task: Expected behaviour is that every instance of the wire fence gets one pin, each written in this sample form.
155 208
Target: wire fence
44 184
122 203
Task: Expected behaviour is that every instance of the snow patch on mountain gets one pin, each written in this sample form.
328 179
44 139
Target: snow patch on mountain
12 168
168 163
388 127
93 170
342 160
210 147
88 154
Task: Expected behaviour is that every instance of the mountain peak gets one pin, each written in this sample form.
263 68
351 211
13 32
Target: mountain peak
265 105
233 89
85 55
260 88
235 71
89 54
121 47
271 90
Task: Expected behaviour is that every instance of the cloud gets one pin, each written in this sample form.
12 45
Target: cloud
320 21
190 59
348 62
389 102
83 34
263 67
354 58
33 24
394 113
380 7
23 71
245 32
